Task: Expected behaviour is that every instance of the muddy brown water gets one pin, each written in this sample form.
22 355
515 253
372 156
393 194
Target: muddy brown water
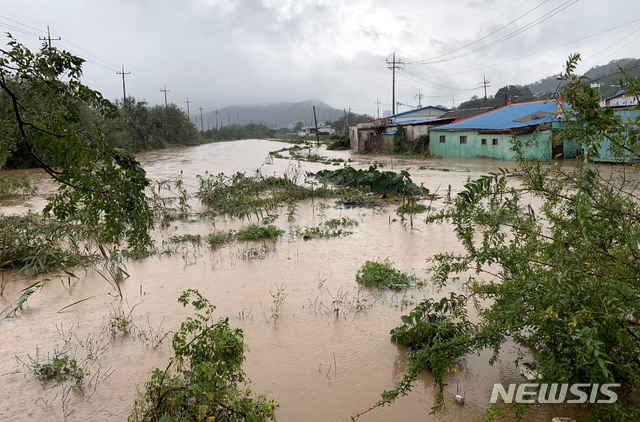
318 364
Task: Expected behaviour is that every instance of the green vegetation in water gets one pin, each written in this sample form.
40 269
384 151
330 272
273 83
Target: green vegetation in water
373 180
12 187
411 208
219 238
339 143
195 239
205 380
295 154
60 369
330 228
245 196
383 275
358 201
37 246
256 232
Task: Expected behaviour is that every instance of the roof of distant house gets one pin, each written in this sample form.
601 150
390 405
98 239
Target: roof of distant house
419 109
617 94
509 117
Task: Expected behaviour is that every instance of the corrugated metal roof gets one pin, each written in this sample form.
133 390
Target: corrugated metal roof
509 117
418 109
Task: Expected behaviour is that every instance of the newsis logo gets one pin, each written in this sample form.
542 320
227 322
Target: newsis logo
555 393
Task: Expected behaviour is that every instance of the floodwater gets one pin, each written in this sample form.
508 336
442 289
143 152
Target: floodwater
319 364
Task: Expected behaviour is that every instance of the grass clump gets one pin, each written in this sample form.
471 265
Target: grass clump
37 246
205 380
219 238
245 196
358 201
11 187
373 180
256 232
328 229
411 208
340 222
383 275
195 239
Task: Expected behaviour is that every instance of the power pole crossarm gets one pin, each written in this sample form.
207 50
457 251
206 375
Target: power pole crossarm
48 37
393 65
165 90
124 87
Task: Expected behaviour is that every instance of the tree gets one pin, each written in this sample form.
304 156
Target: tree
562 280
42 102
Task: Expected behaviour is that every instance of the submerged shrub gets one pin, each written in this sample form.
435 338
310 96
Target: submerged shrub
373 180
59 369
219 238
205 380
37 246
256 232
383 275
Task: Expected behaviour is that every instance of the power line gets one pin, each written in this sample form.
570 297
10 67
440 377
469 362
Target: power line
517 32
486 36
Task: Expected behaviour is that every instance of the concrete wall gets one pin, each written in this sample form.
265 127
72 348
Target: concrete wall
539 147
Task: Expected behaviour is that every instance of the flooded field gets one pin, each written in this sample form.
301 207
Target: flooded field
324 353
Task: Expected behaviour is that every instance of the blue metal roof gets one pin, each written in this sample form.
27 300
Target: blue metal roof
418 109
509 117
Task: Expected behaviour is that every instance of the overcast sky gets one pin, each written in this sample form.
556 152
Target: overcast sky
230 52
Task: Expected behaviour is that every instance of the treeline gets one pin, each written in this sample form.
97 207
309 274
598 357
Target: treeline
135 127
236 132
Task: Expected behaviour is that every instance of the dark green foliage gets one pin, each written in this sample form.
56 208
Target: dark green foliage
38 246
383 275
330 228
205 380
399 138
43 106
60 369
358 201
373 180
421 145
256 232
561 279
342 143
235 132
411 208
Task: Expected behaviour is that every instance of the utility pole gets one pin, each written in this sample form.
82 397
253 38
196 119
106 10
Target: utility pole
201 120
216 119
228 120
485 84
124 88
238 120
378 104
315 118
419 97
165 90
188 114
348 115
345 119
48 38
393 65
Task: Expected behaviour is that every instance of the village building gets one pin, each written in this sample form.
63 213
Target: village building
490 134
624 106
311 130
377 135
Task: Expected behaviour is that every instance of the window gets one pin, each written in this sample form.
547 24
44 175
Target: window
443 139
494 141
463 139
483 141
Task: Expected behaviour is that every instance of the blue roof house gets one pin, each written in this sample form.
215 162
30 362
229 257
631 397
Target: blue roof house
490 134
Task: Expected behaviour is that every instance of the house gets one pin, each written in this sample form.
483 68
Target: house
489 134
620 99
311 130
627 114
377 135
423 113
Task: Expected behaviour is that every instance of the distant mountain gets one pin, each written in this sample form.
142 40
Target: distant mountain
275 115
609 73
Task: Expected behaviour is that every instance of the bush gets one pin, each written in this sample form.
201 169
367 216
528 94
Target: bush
383 275
342 143
205 380
256 232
